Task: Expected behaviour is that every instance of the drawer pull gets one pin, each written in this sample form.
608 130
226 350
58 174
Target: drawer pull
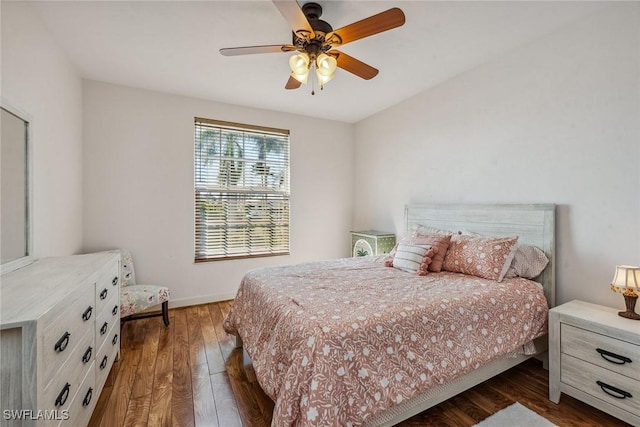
115 339
617 393
103 294
87 313
103 329
63 342
87 397
87 355
64 394
103 364
114 281
115 310
606 355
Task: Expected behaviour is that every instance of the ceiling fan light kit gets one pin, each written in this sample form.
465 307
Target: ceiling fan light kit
315 40
324 64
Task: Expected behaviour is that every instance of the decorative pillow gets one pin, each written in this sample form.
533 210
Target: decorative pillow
440 241
486 257
412 258
437 241
528 262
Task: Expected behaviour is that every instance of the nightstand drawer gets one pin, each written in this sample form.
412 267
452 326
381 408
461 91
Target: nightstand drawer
615 389
609 353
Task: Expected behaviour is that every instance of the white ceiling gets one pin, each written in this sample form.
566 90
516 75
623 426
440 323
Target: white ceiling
172 46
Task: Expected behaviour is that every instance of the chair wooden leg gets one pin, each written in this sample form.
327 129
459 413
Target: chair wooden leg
165 313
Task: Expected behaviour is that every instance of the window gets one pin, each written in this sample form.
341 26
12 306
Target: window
241 190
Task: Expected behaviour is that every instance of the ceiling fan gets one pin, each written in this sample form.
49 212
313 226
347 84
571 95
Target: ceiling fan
315 40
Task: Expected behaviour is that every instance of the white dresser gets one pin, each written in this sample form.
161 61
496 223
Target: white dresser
594 356
59 336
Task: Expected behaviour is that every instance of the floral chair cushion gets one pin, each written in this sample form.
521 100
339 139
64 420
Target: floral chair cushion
135 298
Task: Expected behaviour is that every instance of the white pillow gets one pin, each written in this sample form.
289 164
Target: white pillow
528 262
411 258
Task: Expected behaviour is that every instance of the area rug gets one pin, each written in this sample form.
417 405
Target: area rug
515 415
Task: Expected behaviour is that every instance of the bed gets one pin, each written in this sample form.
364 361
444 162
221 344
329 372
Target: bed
353 342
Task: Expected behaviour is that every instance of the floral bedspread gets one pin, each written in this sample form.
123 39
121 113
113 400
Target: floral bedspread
335 342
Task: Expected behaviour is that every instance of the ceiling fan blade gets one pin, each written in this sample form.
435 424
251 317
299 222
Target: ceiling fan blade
292 83
294 16
375 24
250 50
353 65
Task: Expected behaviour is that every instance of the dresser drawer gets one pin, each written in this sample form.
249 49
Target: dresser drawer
62 334
80 358
107 286
84 401
106 355
106 319
585 376
607 352
64 386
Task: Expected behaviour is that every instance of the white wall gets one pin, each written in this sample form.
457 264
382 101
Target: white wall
138 186
38 79
556 121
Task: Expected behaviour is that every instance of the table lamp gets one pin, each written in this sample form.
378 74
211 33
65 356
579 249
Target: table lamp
627 281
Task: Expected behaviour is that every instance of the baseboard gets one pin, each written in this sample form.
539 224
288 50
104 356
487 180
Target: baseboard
205 299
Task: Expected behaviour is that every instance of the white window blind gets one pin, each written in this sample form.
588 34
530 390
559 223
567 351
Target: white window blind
241 190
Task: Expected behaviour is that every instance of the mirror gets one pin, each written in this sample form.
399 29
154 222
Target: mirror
15 203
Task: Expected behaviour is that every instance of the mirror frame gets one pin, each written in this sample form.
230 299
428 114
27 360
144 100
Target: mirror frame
17 263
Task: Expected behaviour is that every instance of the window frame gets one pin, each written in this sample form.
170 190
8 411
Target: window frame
247 196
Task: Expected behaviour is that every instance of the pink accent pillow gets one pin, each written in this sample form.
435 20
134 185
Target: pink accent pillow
439 241
486 257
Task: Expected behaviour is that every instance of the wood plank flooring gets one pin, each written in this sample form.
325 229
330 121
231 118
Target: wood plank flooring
190 375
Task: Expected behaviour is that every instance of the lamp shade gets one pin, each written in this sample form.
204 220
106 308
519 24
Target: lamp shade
323 79
326 65
302 78
626 279
299 63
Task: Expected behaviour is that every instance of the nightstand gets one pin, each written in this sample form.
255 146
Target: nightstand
371 242
594 356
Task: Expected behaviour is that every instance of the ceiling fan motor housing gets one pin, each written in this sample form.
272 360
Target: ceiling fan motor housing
321 28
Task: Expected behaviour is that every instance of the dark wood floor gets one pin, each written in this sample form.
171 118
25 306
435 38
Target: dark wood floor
190 374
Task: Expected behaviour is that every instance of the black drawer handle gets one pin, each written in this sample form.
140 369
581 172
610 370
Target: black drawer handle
619 394
103 294
115 339
103 329
63 342
103 364
87 313
87 397
606 355
87 355
115 310
64 394
114 281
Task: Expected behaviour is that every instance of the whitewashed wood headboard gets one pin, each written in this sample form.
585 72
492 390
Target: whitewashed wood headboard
532 223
